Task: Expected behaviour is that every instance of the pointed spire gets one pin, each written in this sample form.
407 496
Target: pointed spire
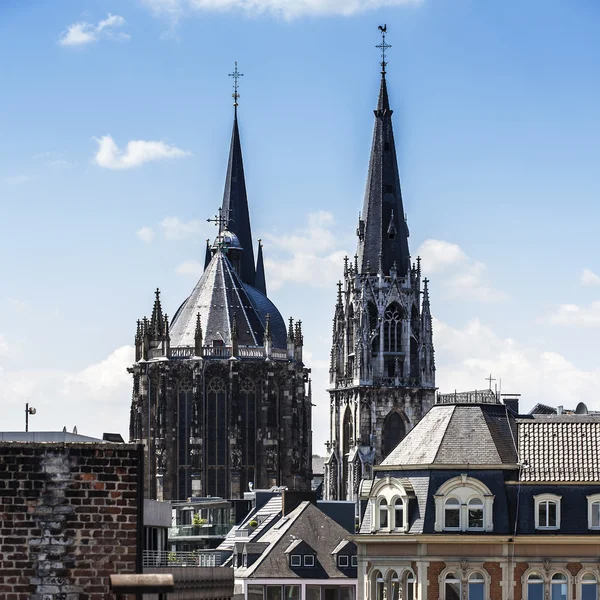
259 282
382 226
157 325
235 204
207 255
291 330
166 320
166 338
198 336
339 294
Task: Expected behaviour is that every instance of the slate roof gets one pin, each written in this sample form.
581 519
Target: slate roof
218 295
469 434
560 448
385 230
312 527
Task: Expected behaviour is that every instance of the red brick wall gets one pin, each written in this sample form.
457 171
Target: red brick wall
68 518
495 572
433 574
520 568
574 568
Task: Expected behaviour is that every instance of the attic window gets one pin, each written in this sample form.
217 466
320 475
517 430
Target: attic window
309 560
342 560
354 561
295 560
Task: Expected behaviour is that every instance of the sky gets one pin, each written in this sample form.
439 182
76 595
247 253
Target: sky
115 122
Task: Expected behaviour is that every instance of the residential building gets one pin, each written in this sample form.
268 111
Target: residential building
221 395
478 502
382 369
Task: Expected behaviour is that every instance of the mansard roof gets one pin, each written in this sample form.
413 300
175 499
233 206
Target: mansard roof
382 231
221 297
458 434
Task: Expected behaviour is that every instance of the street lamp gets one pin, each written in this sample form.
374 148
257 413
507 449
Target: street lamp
28 411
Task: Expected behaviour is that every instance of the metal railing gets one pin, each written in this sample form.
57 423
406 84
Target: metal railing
220 352
166 558
206 530
475 397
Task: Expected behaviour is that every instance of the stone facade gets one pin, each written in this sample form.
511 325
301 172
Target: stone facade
69 517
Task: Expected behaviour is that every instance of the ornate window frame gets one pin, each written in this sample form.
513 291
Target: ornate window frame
463 570
593 499
383 576
579 580
540 499
547 573
389 490
464 488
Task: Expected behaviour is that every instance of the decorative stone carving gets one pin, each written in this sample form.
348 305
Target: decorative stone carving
271 460
236 458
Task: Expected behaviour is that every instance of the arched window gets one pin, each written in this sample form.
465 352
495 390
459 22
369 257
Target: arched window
475 508
393 432
383 513
476 586
409 586
594 511
373 326
547 511
535 587
452 587
558 586
452 514
589 587
350 330
399 514
394 593
216 439
392 328
378 586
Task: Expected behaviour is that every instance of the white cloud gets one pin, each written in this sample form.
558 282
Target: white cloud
96 398
190 267
137 152
465 357
461 276
311 250
288 9
18 179
82 33
176 229
573 314
588 277
146 234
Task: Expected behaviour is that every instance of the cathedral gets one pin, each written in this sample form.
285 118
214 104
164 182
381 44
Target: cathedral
382 370
221 396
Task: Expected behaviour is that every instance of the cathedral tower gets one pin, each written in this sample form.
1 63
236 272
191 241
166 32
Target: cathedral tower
221 396
382 370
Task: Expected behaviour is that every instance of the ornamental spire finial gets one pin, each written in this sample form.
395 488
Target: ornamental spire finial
383 46
236 75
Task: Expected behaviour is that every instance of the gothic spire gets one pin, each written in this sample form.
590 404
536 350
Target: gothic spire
382 230
260 282
157 325
235 202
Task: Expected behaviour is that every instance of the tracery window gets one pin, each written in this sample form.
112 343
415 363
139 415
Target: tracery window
216 438
392 329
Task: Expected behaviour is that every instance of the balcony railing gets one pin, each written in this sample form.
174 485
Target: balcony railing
165 558
200 531
220 352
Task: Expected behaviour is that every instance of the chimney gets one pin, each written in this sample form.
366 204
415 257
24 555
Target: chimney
511 401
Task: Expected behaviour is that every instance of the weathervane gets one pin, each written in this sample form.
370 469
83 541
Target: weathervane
236 75
384 46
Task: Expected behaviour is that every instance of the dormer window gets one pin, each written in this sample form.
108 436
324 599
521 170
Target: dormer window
309 560
383 513
354 561
594 511
343 561
475 509
547 511
399 514
452 514
295 560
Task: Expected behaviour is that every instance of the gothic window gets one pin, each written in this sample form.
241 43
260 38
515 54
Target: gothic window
184 418
373 326
247 430
414 357
392 328
347 438
273 410
350 330
216 439
393 432
414 321
365 424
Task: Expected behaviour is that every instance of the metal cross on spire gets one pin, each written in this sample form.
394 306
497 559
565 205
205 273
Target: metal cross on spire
236 75
490 379
220 221
383 46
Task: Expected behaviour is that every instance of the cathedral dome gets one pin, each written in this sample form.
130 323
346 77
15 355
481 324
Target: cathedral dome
227 239
222 298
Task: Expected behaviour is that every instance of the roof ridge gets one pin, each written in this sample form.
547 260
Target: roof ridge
448 421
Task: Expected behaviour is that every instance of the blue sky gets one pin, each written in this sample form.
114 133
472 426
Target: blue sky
497 123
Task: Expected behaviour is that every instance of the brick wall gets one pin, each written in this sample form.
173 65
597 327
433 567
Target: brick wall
433 575
495 572
520 568
68 518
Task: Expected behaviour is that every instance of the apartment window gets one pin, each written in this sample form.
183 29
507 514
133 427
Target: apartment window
295 560
476 586
594 511
558 586
291 592
547 511
383 513
535 587
394 592
256 592
452 587
354 561
409 587
475 512
399 514
273 592
309 560
589 587
379 585
452 514
342 561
